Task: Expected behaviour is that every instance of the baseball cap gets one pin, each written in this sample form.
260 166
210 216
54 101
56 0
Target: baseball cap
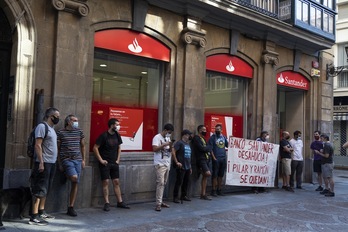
186 132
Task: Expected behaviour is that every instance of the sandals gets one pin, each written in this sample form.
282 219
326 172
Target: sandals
164 205
158 208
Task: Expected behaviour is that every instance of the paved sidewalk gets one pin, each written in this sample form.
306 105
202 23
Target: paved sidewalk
276 210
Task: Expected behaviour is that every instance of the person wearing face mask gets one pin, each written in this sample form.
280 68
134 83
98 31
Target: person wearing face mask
161 146
264 137
44 166
285 151
71 156
107 150
297 160
316 145
202 153
219 143
181 154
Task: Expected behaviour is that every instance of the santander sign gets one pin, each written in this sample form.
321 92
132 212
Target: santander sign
292 79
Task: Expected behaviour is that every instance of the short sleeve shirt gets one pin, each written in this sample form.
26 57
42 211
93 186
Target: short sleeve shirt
49 144
109 145
161 157
317 145
328 149
70 143
219 144
283 153
183 154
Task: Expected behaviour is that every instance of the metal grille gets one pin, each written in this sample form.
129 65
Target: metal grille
340 135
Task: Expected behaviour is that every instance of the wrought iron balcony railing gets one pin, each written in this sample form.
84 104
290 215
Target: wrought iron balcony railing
266 7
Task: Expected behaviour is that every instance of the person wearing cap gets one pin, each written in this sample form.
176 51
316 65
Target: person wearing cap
182 162
219 143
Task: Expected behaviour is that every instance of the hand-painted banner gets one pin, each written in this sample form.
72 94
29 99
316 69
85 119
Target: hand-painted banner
251 163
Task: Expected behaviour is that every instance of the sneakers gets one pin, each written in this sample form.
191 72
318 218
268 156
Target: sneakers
330 194
106 207
289 189
220 193
71 212
319 189
325 191
45 216
186 198
36 220
122 205
176 200
205 197
158 208
213 193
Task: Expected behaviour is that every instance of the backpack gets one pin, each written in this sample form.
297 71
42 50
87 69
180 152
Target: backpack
31 141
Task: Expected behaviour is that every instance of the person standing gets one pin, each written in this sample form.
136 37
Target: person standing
181 154
202 153
71 156
107 150
327 165
285 156
219 143
44 166
316 145
297 160
161 146
264 137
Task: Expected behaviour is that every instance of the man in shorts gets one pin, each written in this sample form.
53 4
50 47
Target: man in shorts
71 156
327 165
202 151
316 145
45 159
285 156
219 143
107 150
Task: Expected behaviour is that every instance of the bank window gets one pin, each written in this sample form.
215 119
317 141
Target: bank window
224 97
128 88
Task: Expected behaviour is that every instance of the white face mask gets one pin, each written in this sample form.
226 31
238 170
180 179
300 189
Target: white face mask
168 135
267 137
118 128
75 125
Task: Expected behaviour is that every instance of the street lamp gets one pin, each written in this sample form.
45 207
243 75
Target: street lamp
332 71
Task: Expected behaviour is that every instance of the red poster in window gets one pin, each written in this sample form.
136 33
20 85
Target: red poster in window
225 121
131 131
292 79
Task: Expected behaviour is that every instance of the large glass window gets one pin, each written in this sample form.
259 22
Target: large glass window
225 97
302 11
128 88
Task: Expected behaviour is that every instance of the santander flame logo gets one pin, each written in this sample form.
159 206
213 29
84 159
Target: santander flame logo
281 78
135 47
230 67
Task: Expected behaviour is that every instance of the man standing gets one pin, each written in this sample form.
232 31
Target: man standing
182 161
327 165
203 156
161 145
285 155
297 160
316 145
107 150
219 143
71 158
264 137
44 166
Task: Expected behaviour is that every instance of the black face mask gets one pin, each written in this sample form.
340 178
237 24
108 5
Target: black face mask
55 120
218 133
190 138
204 133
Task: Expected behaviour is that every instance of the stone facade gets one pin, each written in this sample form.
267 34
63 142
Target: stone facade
53 49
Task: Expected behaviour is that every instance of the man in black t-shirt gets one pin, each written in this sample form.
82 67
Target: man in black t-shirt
107 150
327 165
285 151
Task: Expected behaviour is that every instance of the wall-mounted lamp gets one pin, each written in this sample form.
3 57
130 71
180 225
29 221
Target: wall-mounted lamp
332 71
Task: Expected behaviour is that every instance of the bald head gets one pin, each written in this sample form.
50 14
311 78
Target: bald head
286 135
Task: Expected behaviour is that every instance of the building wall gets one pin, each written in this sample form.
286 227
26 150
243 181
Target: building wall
62 48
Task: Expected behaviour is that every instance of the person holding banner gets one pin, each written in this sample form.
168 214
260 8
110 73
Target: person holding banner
202 152
182 162
219 144
285 156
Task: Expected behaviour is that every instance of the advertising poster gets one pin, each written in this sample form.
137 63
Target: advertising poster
131 131
251 163
225 121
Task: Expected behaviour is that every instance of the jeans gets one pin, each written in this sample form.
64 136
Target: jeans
182 180
296 166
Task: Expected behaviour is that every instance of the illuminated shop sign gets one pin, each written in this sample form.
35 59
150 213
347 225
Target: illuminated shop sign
133 43
292 79
229 64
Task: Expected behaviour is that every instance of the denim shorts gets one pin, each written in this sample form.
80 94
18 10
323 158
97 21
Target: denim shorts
72 167
219 167
40 182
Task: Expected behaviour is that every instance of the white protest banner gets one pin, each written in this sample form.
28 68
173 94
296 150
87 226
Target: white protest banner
251 163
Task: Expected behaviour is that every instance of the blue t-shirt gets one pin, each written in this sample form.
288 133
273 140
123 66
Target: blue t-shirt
183 154
317 145
219 144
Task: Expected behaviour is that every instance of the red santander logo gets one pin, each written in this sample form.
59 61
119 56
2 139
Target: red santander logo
292 79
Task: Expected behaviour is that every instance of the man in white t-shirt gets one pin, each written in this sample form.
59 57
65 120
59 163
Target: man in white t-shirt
162 145
297 160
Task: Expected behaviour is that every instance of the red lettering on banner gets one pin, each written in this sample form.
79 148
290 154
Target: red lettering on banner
237 143
243 179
